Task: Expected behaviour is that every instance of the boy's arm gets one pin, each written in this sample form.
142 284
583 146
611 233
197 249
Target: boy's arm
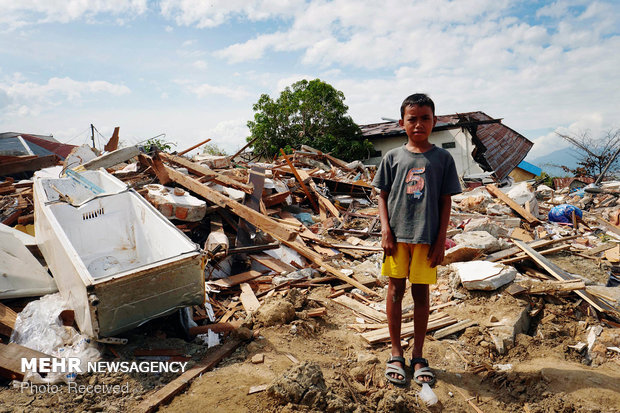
388 243
438 249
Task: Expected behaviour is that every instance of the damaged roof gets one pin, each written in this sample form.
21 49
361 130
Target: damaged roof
502 147
20 144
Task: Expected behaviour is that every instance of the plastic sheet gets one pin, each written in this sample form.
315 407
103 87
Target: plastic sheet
563 213
39 327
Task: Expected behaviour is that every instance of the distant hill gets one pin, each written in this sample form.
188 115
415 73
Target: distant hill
564 157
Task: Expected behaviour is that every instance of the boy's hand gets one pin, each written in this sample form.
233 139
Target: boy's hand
436 252
388 243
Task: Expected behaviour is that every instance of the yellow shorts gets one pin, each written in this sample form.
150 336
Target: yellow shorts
410 259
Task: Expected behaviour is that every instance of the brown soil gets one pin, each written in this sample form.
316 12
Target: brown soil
546 375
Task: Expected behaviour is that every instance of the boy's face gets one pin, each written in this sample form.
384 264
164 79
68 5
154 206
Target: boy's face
418 121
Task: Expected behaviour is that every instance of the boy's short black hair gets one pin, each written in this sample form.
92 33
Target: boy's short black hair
420 99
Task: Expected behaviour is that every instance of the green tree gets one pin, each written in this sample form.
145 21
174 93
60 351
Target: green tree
309 113
159 144
213 149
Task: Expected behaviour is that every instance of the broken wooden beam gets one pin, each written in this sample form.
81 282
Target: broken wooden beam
201 170
301 181
496 192
237 279
257 219
216 328
112 144
194 147
318 260
11 356
164 395
7 320
455 328
28 165
562 275
522 256
248 299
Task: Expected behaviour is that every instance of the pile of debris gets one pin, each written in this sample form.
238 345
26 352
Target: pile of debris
220 240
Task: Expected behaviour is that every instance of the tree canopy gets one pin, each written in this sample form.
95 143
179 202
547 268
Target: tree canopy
309 113
592 154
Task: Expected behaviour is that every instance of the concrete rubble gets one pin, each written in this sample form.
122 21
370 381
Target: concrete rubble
269 234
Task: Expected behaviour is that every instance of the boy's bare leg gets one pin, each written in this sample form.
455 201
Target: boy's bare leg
421 309
394 309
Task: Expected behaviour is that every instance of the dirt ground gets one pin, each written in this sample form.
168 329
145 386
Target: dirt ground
345 373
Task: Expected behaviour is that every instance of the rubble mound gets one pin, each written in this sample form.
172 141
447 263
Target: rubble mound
276 313
395 401
303 384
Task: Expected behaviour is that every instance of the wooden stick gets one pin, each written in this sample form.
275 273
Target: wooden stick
468 400
242 149
201 170
176 386
496 192
193 147
301 182
255 218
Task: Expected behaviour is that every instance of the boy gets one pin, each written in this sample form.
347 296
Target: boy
416 182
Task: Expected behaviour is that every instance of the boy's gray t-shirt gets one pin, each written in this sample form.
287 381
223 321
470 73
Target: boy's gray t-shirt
415 182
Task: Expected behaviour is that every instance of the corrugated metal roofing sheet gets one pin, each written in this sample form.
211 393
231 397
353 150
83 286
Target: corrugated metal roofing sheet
506 148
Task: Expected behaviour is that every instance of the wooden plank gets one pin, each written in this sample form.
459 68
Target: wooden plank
496 192
605 224
523 256
216 328
383 334
455 328
272 263
112 144
603 247
318 260
237 279
10 360
326 203
176 386
201 170
248 299
545 287
7 320
28 165
109 159
191 148
255 218
562 275
317 312
499 255
301 181
275 199
361 309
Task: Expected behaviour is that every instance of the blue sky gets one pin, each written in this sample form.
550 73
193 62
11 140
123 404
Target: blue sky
192 69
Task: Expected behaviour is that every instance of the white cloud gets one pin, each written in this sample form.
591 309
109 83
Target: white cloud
29 98
169 29
206 90
213 13
200 64
23 12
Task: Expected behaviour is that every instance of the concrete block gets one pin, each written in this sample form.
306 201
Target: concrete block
478 239
176 203
483 275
